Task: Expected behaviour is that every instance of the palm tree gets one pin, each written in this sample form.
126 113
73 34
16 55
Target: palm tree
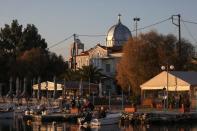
71 75
86 73
90 73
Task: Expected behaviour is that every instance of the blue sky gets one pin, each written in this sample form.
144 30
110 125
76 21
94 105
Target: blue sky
58 19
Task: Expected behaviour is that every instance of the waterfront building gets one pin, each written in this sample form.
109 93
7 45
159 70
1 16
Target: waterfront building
105 56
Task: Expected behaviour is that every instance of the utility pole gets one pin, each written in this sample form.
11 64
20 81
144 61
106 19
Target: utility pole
136 19
74 52
178 46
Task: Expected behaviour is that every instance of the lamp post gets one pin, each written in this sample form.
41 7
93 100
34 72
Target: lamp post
122 99
136 19
167 68
164 98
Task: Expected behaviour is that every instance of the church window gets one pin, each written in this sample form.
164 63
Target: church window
98 54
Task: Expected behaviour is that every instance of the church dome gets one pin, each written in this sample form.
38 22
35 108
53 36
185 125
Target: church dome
117 34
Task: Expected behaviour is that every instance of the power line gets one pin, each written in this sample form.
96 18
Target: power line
92 35
191 22
189 32
60 42
148 26
159 22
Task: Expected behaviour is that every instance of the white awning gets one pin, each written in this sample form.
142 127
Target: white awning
48 86
174 82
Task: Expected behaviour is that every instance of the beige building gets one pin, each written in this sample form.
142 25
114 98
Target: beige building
106 56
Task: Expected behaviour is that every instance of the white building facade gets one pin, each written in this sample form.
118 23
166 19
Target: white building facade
106 57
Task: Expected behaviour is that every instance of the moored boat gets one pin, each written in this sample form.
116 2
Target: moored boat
6 114
7 111
111 118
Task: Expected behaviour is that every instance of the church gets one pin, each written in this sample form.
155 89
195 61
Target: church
105 56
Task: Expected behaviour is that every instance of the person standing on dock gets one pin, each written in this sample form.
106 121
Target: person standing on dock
180 101
88 106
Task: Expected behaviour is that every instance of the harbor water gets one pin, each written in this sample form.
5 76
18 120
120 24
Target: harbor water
20 125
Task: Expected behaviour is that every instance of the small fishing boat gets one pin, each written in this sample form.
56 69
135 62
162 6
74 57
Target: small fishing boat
110 119
7 111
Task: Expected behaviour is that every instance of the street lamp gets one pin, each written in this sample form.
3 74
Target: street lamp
167 68
136 19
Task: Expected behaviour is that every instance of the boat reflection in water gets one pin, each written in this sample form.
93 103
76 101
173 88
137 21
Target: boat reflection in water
71 127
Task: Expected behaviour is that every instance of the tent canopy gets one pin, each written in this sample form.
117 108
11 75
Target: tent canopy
177 81
47 85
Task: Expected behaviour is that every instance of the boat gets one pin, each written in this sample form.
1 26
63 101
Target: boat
110 119
6 114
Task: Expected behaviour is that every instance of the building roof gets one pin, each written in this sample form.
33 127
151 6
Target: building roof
117 34
115 49
177 81
188 76
84 53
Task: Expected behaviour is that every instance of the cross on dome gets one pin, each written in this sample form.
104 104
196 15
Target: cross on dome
119 15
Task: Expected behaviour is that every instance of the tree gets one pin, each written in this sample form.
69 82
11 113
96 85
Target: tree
31 39
90 73
71 75
24 53
14 41
143 57
10 37
86 73
56 65
34 62
39 62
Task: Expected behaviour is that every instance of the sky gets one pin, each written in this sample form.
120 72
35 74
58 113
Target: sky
58 19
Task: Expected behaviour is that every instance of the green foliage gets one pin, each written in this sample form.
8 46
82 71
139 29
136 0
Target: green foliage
31 39
10 37
90 73
86 73
71 75
24 53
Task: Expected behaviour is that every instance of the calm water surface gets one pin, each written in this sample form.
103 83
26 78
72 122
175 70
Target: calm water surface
19 125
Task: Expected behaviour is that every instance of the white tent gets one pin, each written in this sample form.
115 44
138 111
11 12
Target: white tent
48 86
177 81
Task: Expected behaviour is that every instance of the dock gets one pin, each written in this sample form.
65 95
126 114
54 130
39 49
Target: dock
158 117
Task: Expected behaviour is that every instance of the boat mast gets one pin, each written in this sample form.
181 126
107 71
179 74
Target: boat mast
109 100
